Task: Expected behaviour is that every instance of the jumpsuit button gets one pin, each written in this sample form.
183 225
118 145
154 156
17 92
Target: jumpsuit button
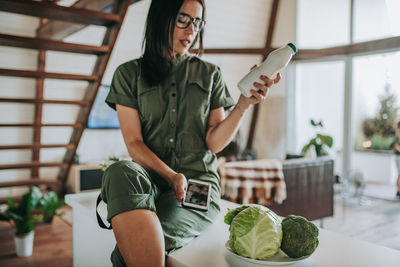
171 140
172 125
173 110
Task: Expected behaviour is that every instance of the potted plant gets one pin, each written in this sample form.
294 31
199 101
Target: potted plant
112 159
49 204
317 146
24 220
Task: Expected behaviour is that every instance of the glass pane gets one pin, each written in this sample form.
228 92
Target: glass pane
376 81
376 19
323 23
320 94
383 81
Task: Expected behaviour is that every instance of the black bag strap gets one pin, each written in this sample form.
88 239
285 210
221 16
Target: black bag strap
99 220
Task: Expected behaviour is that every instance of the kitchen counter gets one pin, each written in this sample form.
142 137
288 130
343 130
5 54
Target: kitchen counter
92 245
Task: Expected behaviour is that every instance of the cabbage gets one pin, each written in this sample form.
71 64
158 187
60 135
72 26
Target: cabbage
255 232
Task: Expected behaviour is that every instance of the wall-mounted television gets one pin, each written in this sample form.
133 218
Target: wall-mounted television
102 116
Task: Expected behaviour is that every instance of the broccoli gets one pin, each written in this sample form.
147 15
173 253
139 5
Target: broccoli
300 237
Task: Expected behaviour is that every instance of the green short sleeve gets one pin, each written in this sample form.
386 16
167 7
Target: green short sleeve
123 89
220 96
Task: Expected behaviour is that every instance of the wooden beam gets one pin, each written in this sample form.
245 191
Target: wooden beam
60 29
53 11
386 44
29 165
43 101
32 146
48 75
271 25
47 44
30 182
75 125
37 131
267 49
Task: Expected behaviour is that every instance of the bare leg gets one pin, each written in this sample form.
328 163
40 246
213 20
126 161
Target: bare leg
140 238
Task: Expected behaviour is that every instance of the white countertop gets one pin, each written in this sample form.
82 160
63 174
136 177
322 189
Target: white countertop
334 250
208 250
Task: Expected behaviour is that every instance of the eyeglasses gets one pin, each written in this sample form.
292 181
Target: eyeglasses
183 21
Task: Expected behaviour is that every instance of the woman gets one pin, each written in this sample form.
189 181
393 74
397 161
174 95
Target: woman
396 149
171 110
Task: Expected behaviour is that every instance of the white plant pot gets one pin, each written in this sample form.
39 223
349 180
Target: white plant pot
24 244
311 153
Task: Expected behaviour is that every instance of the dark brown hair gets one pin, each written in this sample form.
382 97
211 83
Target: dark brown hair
160 25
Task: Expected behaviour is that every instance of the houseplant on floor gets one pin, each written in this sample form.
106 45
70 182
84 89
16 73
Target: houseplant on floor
49 204
24 220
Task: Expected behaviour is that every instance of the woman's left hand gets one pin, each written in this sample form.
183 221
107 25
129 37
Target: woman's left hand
260 91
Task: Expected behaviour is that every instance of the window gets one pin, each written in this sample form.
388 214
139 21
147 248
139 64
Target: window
376 19
319 96
323 23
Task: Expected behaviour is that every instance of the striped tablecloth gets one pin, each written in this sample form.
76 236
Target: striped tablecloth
254 181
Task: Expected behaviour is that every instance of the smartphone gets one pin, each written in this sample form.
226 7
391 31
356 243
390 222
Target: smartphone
197 195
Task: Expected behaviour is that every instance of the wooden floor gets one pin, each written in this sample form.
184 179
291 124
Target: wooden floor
52 246
373 220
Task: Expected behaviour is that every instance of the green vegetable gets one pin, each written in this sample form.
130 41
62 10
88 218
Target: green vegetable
300 237
255 231
232 213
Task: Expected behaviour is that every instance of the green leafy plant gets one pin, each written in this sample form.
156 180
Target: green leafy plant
379 131
320 141
108 162
21 214
49 204
375 142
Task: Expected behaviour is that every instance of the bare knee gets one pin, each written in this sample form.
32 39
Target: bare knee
139 237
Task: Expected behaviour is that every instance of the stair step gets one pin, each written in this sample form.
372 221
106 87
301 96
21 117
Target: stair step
44 101
28 165
31 146
32 181
52 11
49 75
47 44
60 29
75 125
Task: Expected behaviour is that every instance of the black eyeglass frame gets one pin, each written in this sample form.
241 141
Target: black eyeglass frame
197 28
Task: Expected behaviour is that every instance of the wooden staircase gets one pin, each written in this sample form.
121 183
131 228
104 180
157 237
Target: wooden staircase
111 16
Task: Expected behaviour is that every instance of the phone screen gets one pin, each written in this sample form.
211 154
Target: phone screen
197 194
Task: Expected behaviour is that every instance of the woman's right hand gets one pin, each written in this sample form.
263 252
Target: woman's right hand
179 184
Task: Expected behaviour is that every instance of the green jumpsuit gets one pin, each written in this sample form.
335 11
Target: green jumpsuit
174 119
